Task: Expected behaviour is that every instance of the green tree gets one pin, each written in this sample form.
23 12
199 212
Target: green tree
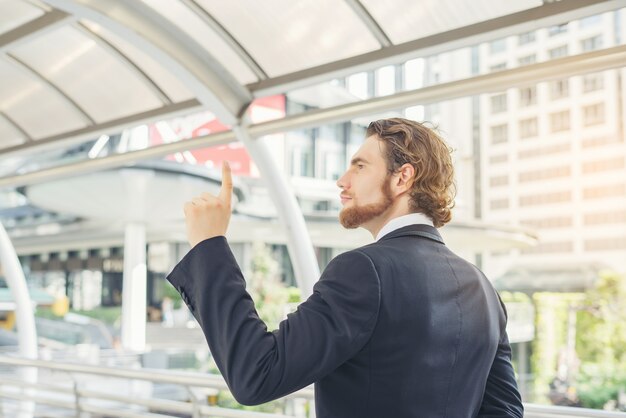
601 341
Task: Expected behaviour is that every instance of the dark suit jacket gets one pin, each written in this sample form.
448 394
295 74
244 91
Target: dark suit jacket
399 328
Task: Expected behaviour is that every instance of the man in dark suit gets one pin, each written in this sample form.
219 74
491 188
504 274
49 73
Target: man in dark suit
398 328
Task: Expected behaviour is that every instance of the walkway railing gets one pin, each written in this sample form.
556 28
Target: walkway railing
84 397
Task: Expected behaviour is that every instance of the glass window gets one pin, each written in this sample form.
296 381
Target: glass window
558 52
559 89
498 103
385 80
528 96
591 44
499 45
593 82
499 134
594 114
590 21
357 85
498 67
527 60
526 38
414 74
557 29
528 128
559 121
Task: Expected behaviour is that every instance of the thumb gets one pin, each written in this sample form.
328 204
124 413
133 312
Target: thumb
227 184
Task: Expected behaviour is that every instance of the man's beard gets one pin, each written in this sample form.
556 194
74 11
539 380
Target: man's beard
356 216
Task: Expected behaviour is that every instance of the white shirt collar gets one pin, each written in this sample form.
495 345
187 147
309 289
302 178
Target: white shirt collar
402 221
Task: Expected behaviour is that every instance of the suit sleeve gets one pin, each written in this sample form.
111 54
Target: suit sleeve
329 328
502 398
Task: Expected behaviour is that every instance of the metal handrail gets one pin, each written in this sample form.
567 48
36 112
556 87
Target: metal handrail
549 411
151 375
192 379
79 397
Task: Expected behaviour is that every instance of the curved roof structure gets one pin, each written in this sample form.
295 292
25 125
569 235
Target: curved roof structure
73 69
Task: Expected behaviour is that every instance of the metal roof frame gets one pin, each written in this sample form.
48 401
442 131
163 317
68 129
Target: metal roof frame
589 62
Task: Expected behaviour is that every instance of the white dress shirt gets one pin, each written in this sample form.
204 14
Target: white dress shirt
402 221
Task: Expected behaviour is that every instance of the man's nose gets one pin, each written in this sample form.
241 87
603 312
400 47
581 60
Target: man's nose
341 183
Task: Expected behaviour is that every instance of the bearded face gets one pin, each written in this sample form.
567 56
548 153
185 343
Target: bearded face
354 215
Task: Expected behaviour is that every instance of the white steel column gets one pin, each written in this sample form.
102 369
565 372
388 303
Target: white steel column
25 318
134 288
299 242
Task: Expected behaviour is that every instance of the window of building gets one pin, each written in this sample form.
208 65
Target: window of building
608 217
550 247
526 38
589 21
557 29
603 165
601 192
385 80
414 74
498 67
600 141
548 223
498 159
544 174
302 154
593 114
549 150
528 96
591 44
498 103
358 85
499 134
497 181
558 52
559 89
593 82
527 60
545 198
559 121
499 45
604 244
499 204
528 128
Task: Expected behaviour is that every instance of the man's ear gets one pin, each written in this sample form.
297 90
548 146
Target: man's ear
405 175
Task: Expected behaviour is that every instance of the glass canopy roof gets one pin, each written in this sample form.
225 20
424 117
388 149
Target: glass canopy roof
72 69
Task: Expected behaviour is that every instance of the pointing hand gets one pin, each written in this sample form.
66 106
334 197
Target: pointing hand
207 216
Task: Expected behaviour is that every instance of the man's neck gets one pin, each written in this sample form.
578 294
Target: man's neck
380 222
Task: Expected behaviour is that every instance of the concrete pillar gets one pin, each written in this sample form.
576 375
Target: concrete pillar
24 315
134 288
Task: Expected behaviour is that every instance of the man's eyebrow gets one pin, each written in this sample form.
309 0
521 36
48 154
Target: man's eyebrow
357 160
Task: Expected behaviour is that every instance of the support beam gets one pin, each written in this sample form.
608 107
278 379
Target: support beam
35 28
227 37
176 51
118 160
16 126
134 288
539 17
24 313
590 62
369 21
290 214
92 132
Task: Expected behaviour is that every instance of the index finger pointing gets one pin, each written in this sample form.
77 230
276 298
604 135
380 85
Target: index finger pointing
227 183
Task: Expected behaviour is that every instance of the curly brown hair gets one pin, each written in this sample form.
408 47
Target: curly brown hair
406 141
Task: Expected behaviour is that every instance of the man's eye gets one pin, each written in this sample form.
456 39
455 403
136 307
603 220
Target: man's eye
360 166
